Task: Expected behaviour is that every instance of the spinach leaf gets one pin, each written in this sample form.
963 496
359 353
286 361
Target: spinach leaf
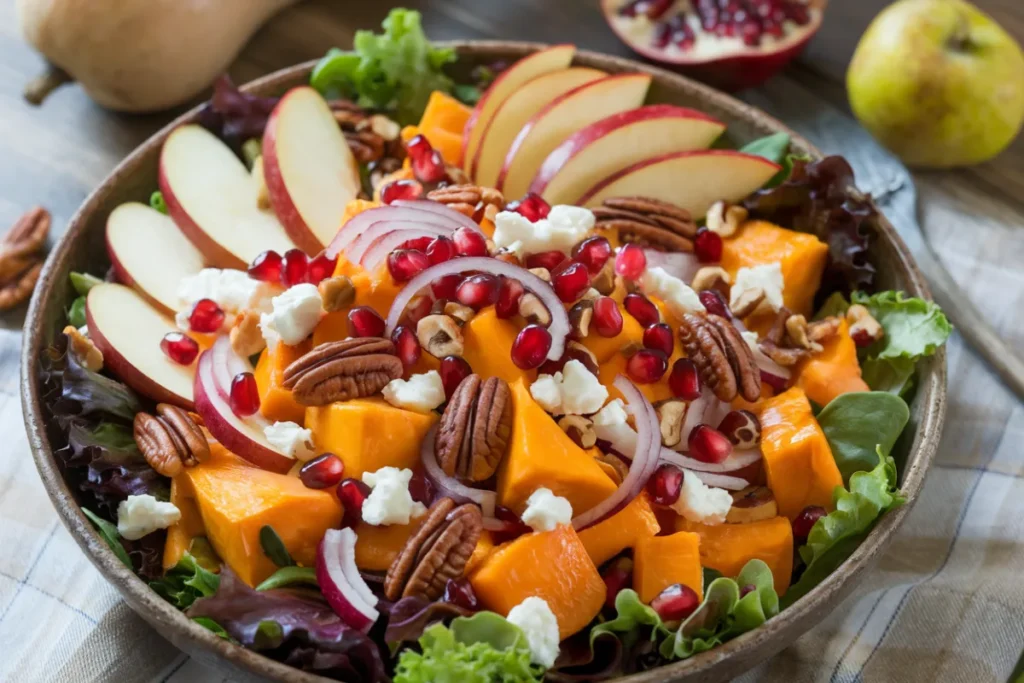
859 424
109 533
771 147
894 375
274 548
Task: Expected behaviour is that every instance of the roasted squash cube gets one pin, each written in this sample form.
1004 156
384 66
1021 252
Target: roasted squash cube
488 346
622 530
661 561
832 372
728 547
276 402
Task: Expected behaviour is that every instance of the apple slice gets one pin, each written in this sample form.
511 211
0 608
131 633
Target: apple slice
149 253
691 180
509 81
211 197
310 171
513 114
620 141
564 116
128 331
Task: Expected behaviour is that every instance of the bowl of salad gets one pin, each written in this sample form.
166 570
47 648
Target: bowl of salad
481 361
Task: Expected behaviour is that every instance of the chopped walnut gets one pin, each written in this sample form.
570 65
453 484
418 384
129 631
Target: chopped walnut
796 333
337 293
580 429
88 355
384 127
440 336
462 314
533 309
864 329
725 219
821 330
712 277
543 273
747 302
246 337
671 415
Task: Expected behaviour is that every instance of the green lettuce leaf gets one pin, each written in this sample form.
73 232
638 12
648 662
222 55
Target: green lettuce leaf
892 375
771 147
157 202
861 425
914 328
76 312
83 282
186 582
290 576
110 535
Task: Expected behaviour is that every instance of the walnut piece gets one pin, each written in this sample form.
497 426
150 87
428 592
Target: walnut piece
712 277
580 316
246 337
864 329
580 429
461 314
90 357
440 336
796 333
725 219
534 310
747 302
671 415
337 293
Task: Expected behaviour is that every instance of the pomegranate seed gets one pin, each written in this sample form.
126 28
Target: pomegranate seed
444 287
572 282
180 348
478 291
400 190
439 250
665 484
646 366
659 337
805 521
593 252
607 320
266 267
714 302
642 309
862 338
509 294
532 206
427 164
514 526
405 264
574 352
684 381
352 493
407 347
206 316
531 347
617 577
707 444
419 307
742 428
676 602
631 261
469 242
546 259
453 370
296 267
707 246
417 243
322 472
460 592
244 395
421 489
321 268
363 321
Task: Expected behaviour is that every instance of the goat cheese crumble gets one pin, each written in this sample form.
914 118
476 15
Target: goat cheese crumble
540 626
293 315
677 295
291 439
611 424
232 290
139 516
562 229
573 391
701 503
421 393
767 277
389 501
545 511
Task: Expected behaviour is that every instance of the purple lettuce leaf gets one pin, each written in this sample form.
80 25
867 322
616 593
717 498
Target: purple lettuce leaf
235 116
409 617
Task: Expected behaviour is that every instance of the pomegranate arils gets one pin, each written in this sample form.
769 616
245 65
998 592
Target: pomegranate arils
684 380
206 316
659 337
593 252
571 283
295 269
646 366
459 592
244 395
676 602
179 347
321 268
266 267
862 338
407 347
439 250
509 294
707 444
707 246
531 206
427 164
617 577
363 321
405 264
545 259
322 472
421 489
444 287
469 242
531 347
514 526
631 261
477 291
417 243
742 428
352 493
453 370
805 521
665 485
653 9
642 309
714 302
400 190
607 320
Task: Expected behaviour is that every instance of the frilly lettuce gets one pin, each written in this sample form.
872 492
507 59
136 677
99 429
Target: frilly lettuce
186 582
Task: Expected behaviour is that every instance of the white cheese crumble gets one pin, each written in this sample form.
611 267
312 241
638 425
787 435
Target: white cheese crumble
545 511
540 626
293 315
389 501
677 295
767 277
421 393
139 516
573 391
562 229
701 503
232 290
290 439
611 424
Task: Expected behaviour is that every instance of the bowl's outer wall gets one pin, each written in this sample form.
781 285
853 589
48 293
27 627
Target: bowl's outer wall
82 248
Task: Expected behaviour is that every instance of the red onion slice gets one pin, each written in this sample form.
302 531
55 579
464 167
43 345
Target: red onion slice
677 264
721 481
559 327
764 363
451 487
377 254
644 461
361 245
736 461
340 581
355 226
438 209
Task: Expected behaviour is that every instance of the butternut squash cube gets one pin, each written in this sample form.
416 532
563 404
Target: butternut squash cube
727 547
488 346
442 123
798 462
181 533
484 547
378 546
655 392
552 565
369 433
661 561
604 348
276 402
834 371
622 530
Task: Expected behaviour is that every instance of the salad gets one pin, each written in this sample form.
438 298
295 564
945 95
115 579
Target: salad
399 378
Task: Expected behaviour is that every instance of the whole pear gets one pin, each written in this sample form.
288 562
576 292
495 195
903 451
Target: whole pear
938 82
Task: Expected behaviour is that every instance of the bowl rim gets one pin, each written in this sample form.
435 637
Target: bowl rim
712 665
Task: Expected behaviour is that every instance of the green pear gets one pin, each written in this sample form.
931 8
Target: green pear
938 82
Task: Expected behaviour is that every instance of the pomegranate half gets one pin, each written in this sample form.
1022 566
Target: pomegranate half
731 44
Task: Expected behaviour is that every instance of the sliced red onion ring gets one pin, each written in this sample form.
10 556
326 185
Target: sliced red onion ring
721 481
737 461
373 234
377 254
439 209
451 487
340 581
559 327
356 225
677 264
226 366
765 364
644 461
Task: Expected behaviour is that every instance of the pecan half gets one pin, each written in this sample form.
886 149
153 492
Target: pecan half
342 370
467 199
21 258
436 552
475 428
725 361
170 440
649 222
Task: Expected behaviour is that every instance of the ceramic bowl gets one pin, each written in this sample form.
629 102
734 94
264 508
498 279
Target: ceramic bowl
82 248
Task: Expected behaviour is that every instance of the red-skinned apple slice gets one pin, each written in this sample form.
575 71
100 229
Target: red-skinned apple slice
149 253
513 114
509 81
310 171
128 331
620 141
691 180
569 113
212 198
